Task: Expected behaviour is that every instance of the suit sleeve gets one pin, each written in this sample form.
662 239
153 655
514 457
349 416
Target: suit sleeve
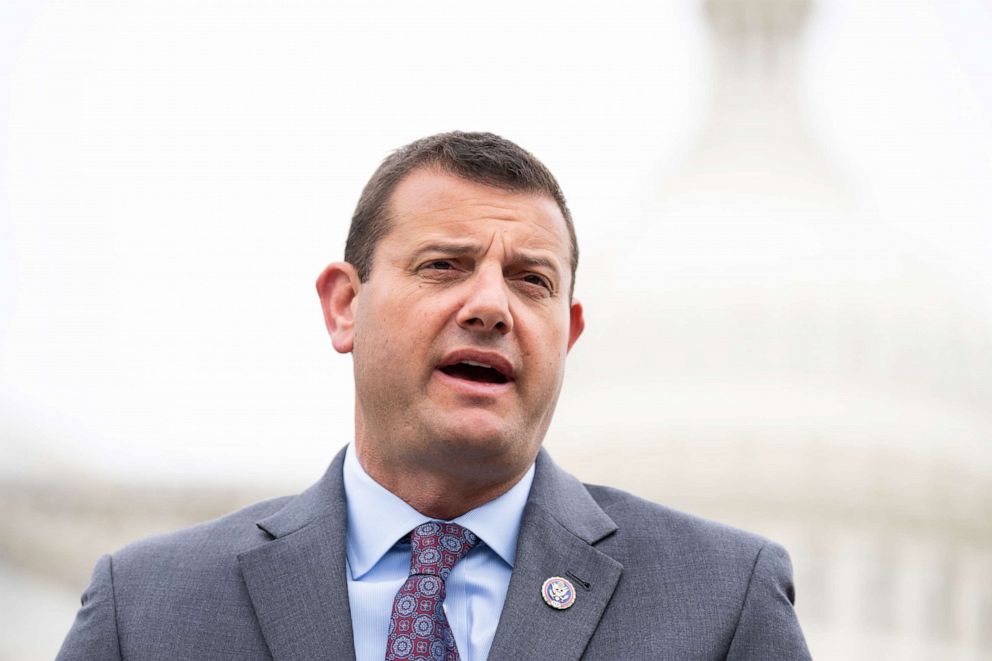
93 635
768 629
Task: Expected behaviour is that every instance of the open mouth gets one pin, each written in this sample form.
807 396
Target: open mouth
471 370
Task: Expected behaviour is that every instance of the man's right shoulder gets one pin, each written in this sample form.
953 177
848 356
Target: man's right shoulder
223 538
191 564
176 595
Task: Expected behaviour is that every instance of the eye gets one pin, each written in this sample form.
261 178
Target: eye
439 269
538 280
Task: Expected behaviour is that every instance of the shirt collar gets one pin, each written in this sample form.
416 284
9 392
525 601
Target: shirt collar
377 518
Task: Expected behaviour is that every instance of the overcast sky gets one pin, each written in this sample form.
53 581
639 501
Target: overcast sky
175 174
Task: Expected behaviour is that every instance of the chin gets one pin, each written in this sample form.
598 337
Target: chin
486 442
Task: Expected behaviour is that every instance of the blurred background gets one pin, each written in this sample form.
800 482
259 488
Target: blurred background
785 215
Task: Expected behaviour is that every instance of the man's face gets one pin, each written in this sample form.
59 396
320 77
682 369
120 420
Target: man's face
461 330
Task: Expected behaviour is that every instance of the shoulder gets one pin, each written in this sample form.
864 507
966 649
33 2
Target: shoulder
639 516
722 588
205 557
656 535
177 595
641 534
199 560
226 536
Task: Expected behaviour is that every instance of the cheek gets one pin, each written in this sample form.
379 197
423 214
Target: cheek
412 332
422 318
548 356
551 336
557 348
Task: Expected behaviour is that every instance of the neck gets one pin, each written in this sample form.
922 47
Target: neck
436 492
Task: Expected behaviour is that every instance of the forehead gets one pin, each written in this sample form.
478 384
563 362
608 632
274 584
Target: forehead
430 203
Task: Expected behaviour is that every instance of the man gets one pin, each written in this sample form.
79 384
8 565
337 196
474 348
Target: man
443 531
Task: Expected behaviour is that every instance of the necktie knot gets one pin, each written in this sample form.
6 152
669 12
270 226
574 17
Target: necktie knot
436 547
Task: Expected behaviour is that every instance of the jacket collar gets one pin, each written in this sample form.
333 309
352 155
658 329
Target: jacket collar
566 500
296 581
298 587
561 527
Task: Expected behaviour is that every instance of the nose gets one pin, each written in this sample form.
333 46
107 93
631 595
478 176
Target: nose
486 306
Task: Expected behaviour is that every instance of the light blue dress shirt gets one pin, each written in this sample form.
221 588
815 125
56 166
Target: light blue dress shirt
378 564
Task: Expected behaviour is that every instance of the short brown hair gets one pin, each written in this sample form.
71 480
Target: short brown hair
482 158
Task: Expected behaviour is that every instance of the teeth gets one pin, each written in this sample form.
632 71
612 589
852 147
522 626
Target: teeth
475 364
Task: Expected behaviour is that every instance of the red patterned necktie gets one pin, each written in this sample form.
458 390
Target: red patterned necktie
418 628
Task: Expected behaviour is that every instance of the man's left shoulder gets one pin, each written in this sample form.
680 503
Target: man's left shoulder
663 535
721 592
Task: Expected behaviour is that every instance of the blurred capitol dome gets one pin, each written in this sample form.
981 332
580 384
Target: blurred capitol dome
788 363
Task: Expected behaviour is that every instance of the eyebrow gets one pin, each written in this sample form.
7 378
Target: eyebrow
463 249
451 248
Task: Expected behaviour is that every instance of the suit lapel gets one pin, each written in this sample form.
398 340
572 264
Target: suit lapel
297 580
560 526
299 590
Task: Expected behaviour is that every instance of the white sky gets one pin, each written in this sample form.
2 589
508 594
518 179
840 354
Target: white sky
174 175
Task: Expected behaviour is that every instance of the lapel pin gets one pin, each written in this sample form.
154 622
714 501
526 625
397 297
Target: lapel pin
558 592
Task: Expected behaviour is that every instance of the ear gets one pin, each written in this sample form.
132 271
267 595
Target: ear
576 323
338 287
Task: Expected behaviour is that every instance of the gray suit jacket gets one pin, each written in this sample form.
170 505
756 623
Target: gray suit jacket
268 582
